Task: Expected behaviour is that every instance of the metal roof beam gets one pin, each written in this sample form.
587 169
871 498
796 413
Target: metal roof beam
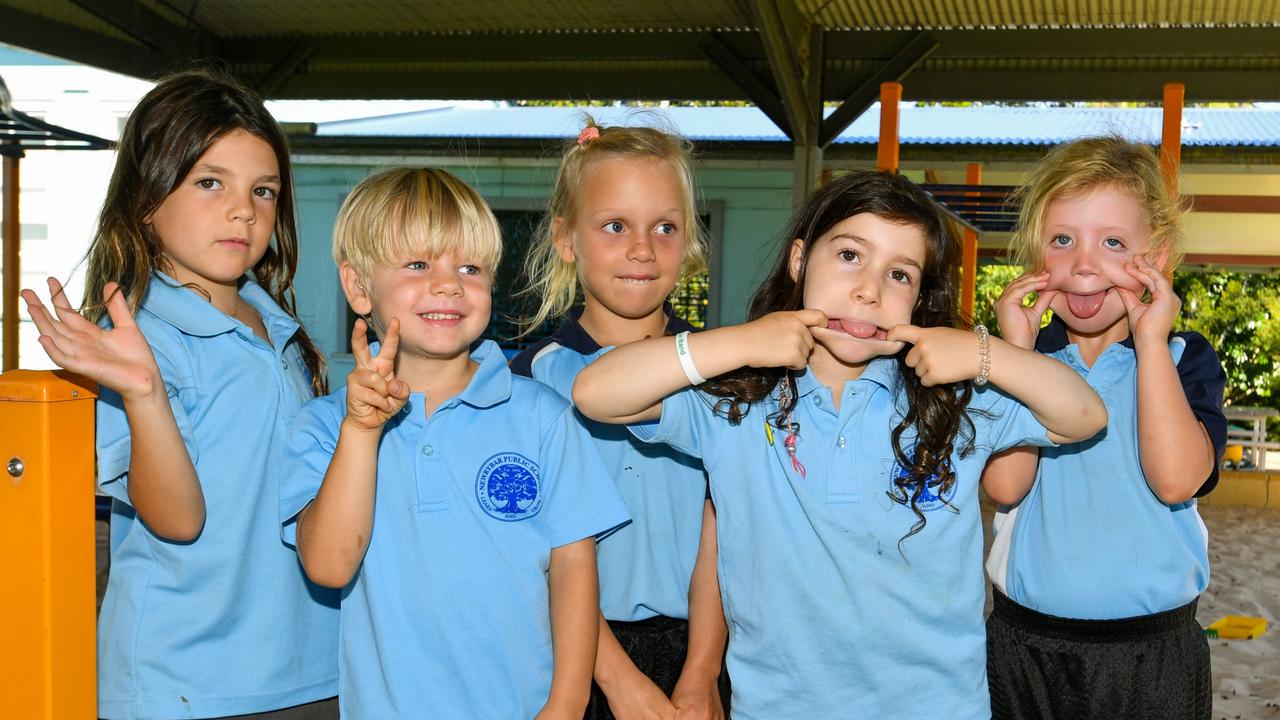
43 35
288 64
145 26
898 67
764 97
789 43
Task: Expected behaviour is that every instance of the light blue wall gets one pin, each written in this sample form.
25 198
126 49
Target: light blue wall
754 204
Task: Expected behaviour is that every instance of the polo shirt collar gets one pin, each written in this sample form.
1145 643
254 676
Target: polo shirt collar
882 371
190 313
573 336
184 309
492 382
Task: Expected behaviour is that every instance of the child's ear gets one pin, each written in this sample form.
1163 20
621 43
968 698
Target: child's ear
797 258
353 288
560 236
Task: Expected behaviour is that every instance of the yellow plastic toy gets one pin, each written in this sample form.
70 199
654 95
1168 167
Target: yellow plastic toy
1239 627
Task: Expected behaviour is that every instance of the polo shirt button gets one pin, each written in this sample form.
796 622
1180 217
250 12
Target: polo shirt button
284 364
817 401
840 442
427 450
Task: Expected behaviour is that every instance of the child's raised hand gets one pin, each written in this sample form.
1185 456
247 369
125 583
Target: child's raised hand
1154 320
119 358
941 355
1019 325
783 339
373 392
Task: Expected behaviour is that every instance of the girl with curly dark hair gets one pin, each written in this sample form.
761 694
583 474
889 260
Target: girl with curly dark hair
844 430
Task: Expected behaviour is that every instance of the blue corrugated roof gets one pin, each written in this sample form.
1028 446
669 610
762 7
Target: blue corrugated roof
932 125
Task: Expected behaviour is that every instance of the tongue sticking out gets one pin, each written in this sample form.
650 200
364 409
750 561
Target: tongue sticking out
856 328
1085 306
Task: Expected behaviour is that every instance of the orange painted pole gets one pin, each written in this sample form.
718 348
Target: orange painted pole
887 149
47 598
12 272
969 267
1171 135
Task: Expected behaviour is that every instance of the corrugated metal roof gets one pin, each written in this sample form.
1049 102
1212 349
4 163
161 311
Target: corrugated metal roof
929 125
1018 13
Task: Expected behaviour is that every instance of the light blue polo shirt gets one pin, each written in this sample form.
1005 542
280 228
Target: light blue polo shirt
226 624
448 615
1091 540
645 567
829 614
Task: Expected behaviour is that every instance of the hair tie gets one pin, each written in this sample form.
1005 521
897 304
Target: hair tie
589 133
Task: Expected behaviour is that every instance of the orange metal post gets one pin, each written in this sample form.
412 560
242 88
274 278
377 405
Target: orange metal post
12 274
47 597
969 269
1171 136
887 150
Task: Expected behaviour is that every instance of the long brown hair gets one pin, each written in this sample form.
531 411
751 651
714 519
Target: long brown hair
172 126
937 414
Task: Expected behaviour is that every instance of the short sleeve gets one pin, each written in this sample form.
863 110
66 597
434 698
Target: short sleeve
583 501
1001 422
306 458
688 424
113 439
1204 381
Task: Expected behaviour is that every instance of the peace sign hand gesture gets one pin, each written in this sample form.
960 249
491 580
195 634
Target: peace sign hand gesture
119 358
373 392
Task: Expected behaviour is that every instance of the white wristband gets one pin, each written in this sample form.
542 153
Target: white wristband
686 359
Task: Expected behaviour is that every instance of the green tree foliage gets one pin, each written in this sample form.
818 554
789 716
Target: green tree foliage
1240 315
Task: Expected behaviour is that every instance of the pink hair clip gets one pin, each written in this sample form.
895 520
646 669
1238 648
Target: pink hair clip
588 134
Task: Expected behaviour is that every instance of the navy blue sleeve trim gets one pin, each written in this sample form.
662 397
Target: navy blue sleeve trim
1204 381
522 364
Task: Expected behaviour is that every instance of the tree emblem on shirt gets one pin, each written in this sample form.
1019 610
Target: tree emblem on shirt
902 486
508 487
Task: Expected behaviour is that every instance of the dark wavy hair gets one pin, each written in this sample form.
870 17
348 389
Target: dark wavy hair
937 414
172 126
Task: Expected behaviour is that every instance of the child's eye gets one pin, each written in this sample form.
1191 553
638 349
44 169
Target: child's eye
1113 243
665 229
613 227
847 256
901 276
415 265
266 193
208 184
1060 241
470 270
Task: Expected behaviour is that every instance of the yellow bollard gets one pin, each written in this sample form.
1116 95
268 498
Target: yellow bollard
47 598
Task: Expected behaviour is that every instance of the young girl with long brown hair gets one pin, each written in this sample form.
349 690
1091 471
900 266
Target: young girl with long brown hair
189 328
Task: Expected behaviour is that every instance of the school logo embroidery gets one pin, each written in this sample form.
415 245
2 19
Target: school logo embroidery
509 487
901 488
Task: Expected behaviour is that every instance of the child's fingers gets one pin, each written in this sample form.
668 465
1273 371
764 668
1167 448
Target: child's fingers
360 343
117 306
62 306
363 394
904 333
1042 302
40 315
1129 298
1141 275
390 343
812 317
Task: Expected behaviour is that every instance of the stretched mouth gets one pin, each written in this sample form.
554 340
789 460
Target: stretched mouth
636 279
1085 306
858 329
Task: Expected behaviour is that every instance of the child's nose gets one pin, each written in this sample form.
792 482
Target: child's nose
242 209
641 249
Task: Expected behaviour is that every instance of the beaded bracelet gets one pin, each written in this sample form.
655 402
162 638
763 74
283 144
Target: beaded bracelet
984 354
